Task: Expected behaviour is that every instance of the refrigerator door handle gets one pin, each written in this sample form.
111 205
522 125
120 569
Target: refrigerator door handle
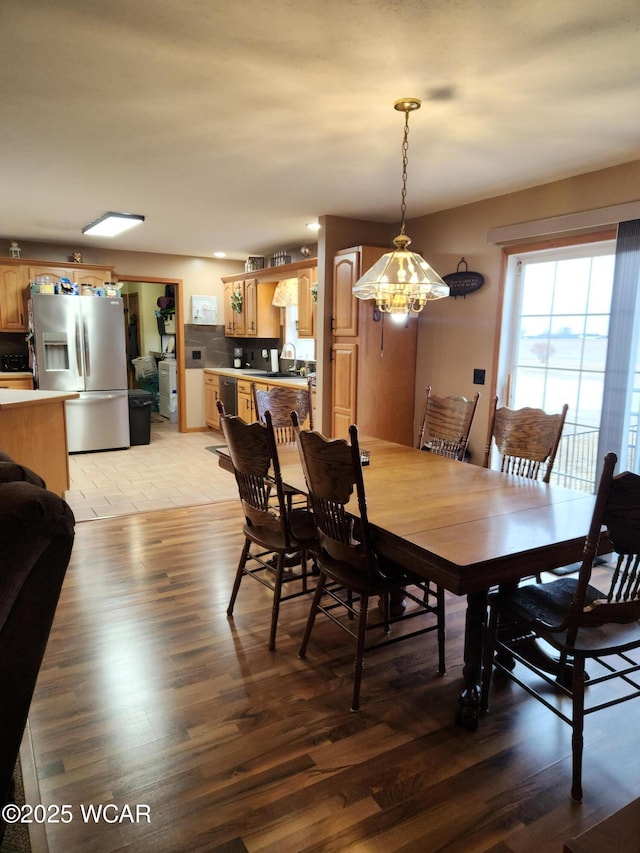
78 349
87 353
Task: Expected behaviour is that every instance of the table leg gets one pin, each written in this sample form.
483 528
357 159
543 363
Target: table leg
469 700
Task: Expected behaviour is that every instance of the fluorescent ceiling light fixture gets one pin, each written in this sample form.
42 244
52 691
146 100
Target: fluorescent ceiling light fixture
219 254
111 224
313 226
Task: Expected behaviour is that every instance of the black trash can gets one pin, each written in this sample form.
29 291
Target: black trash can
140 404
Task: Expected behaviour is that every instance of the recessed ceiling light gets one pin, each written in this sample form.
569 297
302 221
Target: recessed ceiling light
111 224
219 254
313 226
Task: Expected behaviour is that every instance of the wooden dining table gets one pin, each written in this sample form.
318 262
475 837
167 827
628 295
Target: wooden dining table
464 527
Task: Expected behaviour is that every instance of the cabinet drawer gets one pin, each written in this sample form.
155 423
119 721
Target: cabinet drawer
244 387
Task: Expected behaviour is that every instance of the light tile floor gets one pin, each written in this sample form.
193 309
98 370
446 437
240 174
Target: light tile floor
174 469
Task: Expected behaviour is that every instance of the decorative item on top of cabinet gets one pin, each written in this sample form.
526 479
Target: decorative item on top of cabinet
375 393
14 292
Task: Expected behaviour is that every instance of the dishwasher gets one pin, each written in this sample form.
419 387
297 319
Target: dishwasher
228 395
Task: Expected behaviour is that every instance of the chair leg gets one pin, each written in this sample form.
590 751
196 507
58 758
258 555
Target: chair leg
577 739
277 594
239 574
360 646
302 651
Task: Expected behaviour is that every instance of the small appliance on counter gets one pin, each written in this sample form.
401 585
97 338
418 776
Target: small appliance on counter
14 363
237 356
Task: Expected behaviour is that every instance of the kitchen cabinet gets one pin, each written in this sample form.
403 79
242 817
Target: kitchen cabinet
14 292
373 360
246 408
76 273
211 397
307 280
15 276
258 317
16 383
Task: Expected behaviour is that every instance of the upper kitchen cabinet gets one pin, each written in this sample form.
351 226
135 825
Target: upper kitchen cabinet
307 281
262 318
348 266
76 273
256 317
14 291
234 322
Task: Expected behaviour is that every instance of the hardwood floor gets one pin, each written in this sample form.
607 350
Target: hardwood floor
149 696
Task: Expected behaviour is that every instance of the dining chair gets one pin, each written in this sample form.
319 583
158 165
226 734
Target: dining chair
580 622
272 533
281 401
351 571
527 439
446 424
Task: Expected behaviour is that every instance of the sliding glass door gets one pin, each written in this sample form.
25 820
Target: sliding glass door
556 340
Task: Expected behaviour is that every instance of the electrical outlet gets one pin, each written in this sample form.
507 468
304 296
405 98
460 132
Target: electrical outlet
196 354
265 353
478 376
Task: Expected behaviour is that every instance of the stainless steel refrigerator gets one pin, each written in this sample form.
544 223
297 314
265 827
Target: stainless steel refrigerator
79 345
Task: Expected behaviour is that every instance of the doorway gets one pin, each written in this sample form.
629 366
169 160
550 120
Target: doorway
135 284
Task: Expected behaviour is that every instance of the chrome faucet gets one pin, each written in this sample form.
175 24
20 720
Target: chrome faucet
285 348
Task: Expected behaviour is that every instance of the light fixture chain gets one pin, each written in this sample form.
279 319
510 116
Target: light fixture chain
405 161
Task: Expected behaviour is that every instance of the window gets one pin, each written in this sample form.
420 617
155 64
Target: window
556 342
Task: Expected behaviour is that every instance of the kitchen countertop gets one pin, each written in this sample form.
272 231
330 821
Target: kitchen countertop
10 399
258 376
17 374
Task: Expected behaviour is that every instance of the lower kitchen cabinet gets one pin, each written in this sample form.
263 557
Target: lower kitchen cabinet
211 397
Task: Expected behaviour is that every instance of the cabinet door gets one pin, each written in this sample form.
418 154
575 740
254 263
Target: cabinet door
211 397
96 278
251 308
78 275
245 402
306 305
13 297
344 376
229 313
346 271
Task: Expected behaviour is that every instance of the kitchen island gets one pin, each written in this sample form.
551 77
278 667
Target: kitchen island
33 431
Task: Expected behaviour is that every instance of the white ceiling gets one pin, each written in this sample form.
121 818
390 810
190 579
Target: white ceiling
230 125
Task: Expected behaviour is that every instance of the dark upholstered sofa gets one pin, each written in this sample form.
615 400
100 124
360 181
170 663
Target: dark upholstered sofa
36 538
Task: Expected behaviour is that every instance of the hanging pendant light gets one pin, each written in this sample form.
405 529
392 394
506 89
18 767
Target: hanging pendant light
401 282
